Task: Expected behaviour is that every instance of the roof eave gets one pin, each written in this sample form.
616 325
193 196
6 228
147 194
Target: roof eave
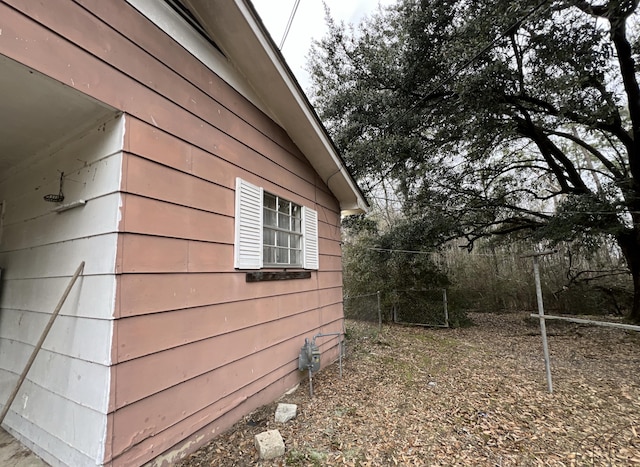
237 29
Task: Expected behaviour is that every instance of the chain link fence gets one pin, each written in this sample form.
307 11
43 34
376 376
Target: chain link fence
421 307
365 307
428 307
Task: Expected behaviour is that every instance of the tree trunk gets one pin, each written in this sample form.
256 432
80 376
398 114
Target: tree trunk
635 309
630 245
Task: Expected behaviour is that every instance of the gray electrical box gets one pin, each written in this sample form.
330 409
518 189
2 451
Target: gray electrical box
309 358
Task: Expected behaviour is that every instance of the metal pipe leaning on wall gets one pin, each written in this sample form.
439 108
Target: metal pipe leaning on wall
38 346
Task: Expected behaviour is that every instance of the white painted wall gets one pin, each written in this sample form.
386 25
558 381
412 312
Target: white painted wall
61 410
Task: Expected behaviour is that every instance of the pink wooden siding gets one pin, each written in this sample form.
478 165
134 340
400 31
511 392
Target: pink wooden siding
195 346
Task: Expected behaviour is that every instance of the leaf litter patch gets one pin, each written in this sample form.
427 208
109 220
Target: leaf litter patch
472 397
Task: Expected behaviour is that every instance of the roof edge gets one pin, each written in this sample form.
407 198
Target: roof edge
264 66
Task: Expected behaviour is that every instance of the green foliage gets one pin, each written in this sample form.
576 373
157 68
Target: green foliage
380 261
498 277
585 220
389 261
492 117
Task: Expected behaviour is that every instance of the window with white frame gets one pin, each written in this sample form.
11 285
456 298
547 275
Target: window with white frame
272 231
281 232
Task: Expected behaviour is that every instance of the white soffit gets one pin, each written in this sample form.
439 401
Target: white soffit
37 112
236 28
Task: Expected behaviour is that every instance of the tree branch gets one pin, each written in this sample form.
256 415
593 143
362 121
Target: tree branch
557 160
518 56
630 82
601 157
547 108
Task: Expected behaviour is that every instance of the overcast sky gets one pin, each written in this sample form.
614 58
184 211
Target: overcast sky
308 24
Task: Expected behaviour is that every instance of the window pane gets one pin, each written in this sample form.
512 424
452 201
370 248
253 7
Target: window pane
283 221
269 218
269 254
283 239
283 256
295 241
295 211
284 206
295 257
296 227
269 237
269 201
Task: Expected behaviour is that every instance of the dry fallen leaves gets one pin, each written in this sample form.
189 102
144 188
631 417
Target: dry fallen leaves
470 397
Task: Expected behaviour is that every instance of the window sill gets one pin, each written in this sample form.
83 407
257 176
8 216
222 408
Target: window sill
277 276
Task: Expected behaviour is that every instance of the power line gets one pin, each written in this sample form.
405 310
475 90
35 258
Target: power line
401 251
532 212
286 30
469 62
418 252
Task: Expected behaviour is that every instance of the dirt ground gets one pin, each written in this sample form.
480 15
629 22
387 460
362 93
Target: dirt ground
469 397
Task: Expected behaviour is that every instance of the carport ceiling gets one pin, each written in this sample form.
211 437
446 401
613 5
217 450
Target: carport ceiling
37 112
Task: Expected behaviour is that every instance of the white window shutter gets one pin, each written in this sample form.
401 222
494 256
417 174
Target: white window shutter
248 238
310 238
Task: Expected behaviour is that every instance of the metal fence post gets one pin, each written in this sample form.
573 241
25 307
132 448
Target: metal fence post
446 308
543 326
379 313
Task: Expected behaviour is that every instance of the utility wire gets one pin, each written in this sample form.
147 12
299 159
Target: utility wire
286 30
418 252
469 62
547 212
401 251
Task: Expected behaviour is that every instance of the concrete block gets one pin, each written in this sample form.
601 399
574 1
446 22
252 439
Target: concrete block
269 444
286 412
